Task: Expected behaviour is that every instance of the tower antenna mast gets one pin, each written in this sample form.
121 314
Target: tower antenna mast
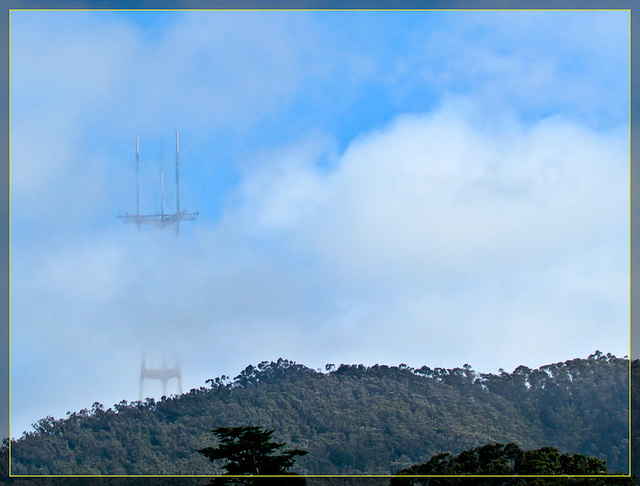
161 179
177 182
138 181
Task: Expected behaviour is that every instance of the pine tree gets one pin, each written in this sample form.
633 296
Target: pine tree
249 451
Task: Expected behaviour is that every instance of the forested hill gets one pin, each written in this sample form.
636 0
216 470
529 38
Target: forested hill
352 420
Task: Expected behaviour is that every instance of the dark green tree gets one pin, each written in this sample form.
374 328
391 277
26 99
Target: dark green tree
4 462
249 451
511 461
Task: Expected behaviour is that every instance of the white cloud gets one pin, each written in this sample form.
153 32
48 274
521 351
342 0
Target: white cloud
435 191
428 213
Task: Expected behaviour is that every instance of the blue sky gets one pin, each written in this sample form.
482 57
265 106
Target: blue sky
414 187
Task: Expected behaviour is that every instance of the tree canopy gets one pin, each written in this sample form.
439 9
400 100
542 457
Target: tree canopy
511 461
250 451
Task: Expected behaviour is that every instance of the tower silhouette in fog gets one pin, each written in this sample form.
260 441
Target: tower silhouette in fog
165 374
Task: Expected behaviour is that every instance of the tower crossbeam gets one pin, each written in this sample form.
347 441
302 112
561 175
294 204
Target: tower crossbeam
159 220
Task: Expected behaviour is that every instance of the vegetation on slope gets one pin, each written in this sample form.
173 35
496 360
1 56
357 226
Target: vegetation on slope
352 420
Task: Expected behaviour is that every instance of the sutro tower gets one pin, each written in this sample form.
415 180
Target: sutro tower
163 219
164 374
